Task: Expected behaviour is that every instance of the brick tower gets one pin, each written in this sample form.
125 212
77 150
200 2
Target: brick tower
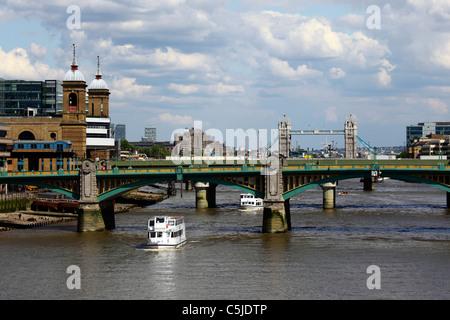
73 122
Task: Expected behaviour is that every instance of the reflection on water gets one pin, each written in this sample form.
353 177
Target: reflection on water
403 228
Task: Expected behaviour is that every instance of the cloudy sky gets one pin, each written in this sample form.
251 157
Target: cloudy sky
244 63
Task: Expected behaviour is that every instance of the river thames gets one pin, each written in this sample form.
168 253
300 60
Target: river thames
403 228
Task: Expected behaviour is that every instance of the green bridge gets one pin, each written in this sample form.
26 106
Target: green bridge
95 187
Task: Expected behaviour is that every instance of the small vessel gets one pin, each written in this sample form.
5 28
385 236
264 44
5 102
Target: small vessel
166 232
250 203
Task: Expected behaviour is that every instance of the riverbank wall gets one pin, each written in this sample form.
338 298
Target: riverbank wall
18 214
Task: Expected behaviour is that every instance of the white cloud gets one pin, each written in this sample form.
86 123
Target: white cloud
127 88
184 89
331 114
282 69
37 50
441 56
16 64
437 106
224 89
336 73
175 119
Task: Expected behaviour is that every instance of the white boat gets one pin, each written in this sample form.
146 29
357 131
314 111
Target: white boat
250 203
166 232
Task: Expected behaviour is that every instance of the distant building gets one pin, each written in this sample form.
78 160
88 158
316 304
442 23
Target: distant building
30 98
120 132
149 144
195 142
433 145
424 129
150 134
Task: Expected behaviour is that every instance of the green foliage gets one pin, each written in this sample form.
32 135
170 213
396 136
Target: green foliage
154 152
125 145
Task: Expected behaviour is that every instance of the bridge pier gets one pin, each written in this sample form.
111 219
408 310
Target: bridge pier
276 217
369 185
211 195
107 209
205 195
90 217
276 214
448 200
329 195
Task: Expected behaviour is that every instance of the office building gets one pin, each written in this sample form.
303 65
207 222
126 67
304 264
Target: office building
150 134
30 98
424 129
120 132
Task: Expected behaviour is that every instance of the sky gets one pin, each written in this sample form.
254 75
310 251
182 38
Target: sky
244 64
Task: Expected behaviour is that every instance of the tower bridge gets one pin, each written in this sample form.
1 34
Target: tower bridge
350 133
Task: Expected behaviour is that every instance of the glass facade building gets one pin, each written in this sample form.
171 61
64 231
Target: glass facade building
423 129
30 98
120 132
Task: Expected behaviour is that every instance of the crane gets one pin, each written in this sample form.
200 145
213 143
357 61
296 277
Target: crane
367 146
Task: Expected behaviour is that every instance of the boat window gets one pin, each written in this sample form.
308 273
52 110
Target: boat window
159 234
152 223
171 222
152 234
159 220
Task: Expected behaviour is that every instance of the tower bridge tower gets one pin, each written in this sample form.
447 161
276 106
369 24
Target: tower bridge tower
350 133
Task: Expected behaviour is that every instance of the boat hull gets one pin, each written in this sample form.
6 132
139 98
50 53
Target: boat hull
154 245
249 209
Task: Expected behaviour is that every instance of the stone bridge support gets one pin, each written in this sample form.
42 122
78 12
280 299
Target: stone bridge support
276 215
369 184
448 200
329 195
93 215
205 195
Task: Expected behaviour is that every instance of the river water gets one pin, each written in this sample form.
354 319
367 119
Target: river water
403 228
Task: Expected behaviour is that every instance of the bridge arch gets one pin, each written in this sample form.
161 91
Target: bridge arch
233 185
392 175
113 193
51 187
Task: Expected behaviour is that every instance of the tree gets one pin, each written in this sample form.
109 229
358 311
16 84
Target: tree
159 151
125 145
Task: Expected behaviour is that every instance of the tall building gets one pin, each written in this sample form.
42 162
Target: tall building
73 124
350 132
150 134
120 132
30 98
99 136
424 129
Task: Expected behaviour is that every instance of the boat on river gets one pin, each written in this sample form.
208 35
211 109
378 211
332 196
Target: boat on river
250 203
166 232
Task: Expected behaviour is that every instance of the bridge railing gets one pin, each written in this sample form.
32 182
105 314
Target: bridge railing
232 169
173 170
366 166
38 173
